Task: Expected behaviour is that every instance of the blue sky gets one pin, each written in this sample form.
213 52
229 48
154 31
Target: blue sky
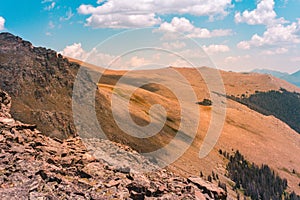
237 35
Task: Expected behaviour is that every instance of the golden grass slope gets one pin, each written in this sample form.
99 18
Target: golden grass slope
262 139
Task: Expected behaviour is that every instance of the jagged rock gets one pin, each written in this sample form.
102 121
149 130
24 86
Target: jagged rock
162 188
113 183
199 195
5 104
125 170
208 188
42 79
94 169
83 174
136 196
7 121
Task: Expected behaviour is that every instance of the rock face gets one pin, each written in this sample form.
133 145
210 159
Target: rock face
5 105
34 166
40 82
209 188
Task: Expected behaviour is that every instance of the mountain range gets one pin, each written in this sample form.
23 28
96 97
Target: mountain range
42 86
293 78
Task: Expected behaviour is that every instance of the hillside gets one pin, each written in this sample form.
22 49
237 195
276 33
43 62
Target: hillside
282 104
254 134
34 166
42 93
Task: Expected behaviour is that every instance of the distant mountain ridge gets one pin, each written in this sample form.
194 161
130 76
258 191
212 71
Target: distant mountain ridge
291 78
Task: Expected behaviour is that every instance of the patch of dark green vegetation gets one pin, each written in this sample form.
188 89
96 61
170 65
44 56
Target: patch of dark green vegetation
282 104
256 182
205 102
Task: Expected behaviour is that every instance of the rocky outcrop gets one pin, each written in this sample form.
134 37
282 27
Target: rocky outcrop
40 82
34 166
208 188
5 104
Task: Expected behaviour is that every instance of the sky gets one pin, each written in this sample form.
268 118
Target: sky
238 35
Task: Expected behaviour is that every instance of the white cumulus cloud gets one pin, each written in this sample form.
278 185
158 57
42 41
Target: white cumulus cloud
279 32
119 20
94 57
183 25
214 48
243 45
177 25
2 23
143 13
136 62
276 35
75 51
263 14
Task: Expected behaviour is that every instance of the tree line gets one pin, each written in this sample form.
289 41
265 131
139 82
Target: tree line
282 104
257 182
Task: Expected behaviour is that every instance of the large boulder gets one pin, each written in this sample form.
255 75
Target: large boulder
208 188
